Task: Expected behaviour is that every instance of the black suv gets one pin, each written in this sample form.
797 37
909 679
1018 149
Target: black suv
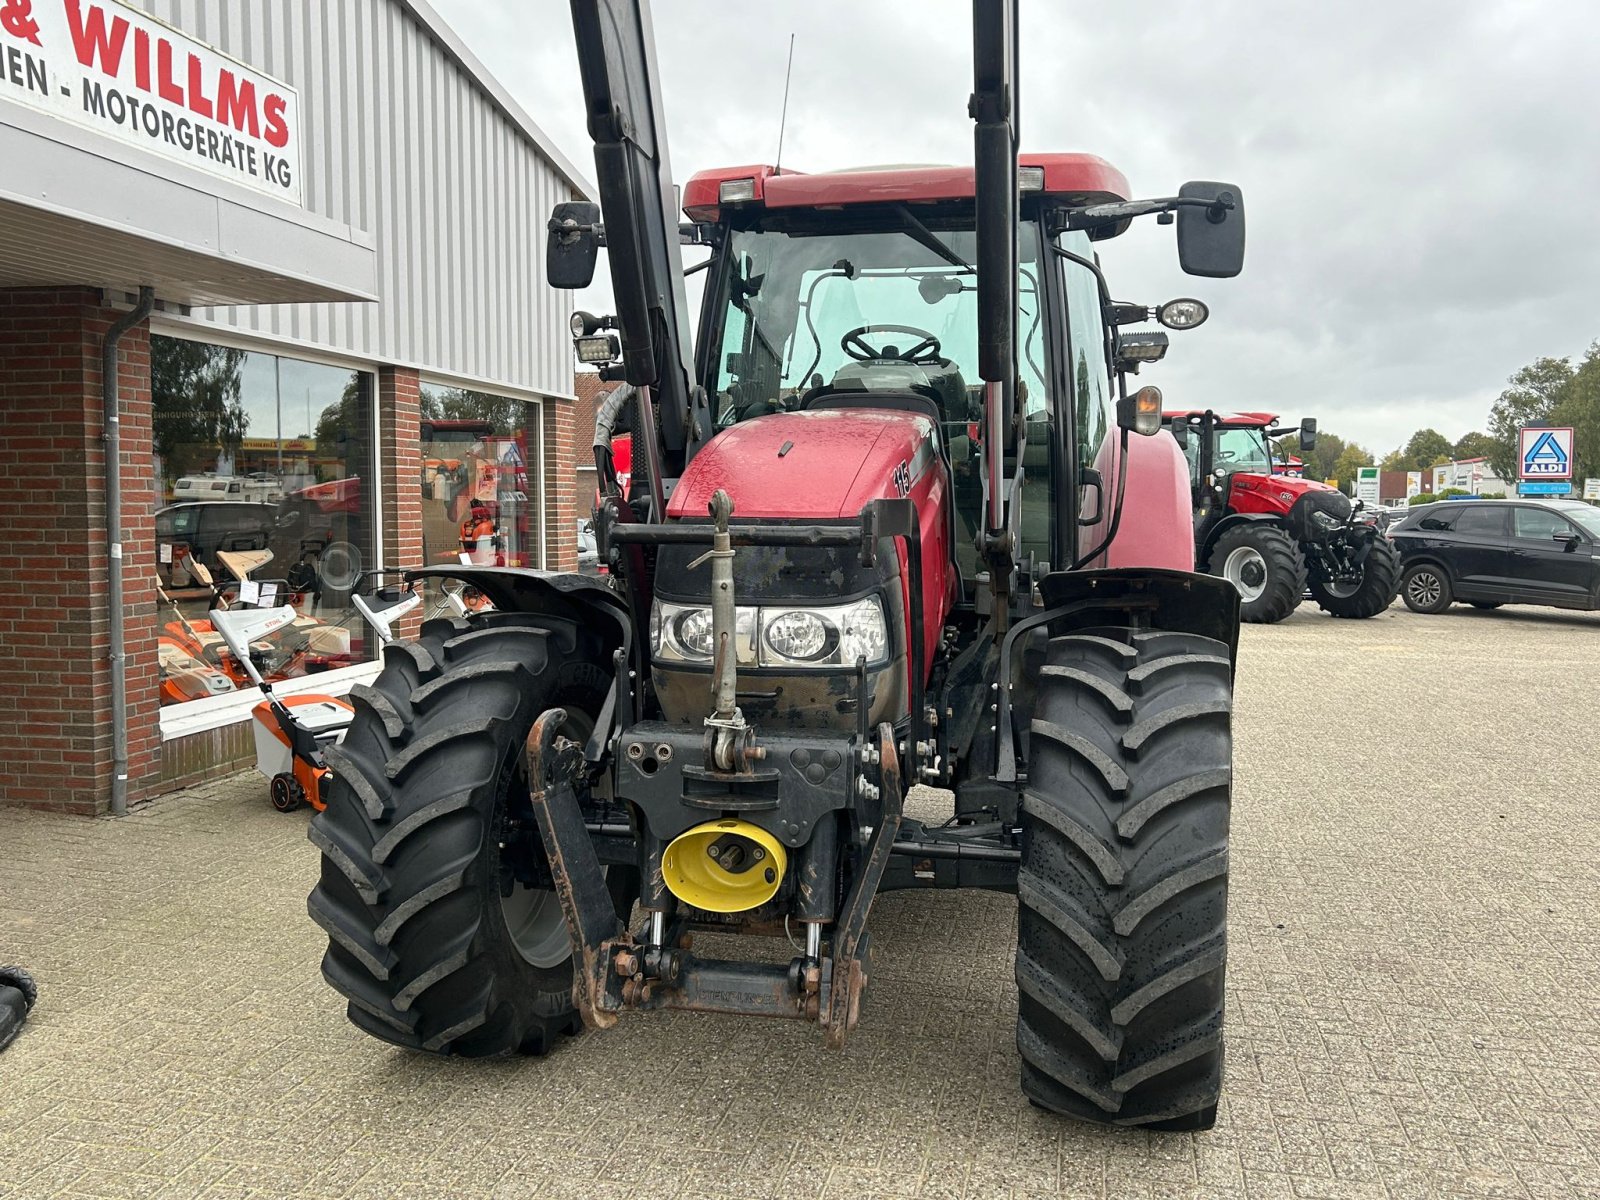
1489 553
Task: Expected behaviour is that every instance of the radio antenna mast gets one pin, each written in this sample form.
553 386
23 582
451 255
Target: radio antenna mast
783 120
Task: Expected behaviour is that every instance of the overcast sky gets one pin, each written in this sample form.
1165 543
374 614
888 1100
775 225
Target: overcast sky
1421 178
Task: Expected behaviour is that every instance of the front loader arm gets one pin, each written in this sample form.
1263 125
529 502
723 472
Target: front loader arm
622 100
994 111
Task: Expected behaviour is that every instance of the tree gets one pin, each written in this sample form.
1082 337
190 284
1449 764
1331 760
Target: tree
1426 448
1535 393
1350 459
1396 460
507 415
1579 407
197 414
1319 462
1473 445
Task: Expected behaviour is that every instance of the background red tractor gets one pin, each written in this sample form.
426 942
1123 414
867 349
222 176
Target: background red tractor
1276 536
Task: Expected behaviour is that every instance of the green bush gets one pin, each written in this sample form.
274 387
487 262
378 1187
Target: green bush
1423 498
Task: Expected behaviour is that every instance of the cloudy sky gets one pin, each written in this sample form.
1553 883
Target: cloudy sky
1421 178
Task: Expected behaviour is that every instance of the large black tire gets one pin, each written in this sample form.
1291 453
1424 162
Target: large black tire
18 993
1380 580
1265 549
1123 887
429 782
1426 589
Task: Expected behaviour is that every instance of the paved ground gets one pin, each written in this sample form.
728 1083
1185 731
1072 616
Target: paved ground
1414 984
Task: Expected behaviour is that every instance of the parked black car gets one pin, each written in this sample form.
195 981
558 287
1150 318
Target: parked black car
1489 553
206 527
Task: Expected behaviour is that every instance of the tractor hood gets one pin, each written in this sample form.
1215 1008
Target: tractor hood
821 465
1281 490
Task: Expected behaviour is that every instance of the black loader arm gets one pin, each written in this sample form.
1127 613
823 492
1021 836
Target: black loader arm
994 111
622 101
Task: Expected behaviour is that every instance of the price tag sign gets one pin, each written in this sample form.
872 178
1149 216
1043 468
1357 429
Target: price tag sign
249 592
164 552
269 594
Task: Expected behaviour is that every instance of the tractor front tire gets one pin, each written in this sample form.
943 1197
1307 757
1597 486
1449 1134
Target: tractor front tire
1123 886
1264 563
432 939
1380 582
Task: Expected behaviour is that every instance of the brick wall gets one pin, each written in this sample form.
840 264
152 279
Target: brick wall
400 460
55 750
561 512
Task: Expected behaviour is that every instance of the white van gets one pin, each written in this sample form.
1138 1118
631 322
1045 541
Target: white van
259 487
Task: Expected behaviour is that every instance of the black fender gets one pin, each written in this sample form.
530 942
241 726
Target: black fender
582 599
1179 601
1147 597
1202 552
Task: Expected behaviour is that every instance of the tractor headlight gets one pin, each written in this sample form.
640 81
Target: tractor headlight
779 636
797 636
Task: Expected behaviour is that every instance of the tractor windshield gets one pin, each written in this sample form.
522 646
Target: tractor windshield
805 313
1242 450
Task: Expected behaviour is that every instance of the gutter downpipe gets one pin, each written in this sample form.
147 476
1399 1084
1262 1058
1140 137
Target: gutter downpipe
111 397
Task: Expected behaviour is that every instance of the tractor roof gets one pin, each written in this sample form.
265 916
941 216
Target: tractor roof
1238 420
1069 179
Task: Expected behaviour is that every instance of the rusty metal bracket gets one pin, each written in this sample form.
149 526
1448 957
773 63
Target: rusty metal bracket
848 966
554 763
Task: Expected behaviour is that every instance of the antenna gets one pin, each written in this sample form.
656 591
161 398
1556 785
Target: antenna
783 120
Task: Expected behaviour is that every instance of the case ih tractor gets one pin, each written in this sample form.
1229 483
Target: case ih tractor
1275 537
891 520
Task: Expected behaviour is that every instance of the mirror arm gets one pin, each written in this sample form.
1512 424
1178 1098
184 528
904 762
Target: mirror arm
1097 215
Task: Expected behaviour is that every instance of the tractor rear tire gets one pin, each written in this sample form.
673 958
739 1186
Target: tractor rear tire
1261 547
1123 886
1380 583
429 789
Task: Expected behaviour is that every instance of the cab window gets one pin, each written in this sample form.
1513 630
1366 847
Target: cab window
1086 345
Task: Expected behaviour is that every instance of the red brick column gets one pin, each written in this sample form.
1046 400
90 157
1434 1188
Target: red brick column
556 478
400 461
55 752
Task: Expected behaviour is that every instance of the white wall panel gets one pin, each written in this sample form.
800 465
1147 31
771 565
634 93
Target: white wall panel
407 139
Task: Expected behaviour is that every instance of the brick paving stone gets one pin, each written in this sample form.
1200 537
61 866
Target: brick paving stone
1412 986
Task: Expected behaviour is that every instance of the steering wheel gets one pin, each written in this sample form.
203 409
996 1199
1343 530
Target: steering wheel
924 353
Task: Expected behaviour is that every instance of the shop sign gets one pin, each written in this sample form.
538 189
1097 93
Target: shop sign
1413 484
108 67
1544 453
1367 485
1591 489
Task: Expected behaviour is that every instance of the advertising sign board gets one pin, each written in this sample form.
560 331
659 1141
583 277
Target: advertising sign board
1544 453
106 66
1367 485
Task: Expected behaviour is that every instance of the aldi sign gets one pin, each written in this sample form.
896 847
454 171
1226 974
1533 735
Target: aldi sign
106 66
1544 453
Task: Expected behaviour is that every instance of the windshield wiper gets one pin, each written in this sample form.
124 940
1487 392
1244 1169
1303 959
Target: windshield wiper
928 238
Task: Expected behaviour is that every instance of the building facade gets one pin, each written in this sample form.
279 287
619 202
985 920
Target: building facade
315 235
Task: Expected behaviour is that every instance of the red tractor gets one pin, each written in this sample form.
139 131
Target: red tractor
893 519
1276 536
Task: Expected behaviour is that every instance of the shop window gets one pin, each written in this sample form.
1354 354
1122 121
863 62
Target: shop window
482 483
263 466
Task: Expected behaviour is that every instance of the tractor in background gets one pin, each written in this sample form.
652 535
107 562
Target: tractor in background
893 518
1278 537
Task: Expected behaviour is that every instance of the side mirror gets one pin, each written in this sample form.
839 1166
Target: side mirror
1180 434
1567 538
1308 435
1211 235
573 245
